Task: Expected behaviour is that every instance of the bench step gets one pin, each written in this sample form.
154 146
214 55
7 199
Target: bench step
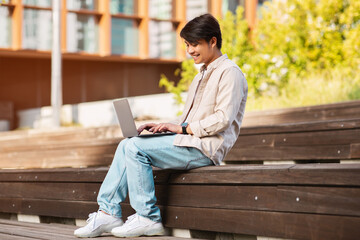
283 201
14 230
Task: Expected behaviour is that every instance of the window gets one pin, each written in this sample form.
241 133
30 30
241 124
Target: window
195 8
82 26
123 7
130 27
124 37
162 31
124 27
37 25
82 4
5 27
162 39
82 33
161 9
38 3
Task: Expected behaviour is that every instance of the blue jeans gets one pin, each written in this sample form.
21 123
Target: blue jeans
131 171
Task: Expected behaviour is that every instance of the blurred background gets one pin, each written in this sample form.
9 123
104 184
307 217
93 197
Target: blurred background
293 53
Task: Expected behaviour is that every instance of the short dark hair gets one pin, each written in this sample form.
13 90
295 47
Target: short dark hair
203 27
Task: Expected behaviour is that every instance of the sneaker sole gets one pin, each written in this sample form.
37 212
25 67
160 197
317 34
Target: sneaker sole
153 232
99 231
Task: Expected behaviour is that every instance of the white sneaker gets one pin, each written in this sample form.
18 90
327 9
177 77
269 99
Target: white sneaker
137 225
98 223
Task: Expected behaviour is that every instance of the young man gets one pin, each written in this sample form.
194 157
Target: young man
205 132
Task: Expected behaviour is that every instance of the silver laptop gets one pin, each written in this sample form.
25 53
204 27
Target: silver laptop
126 120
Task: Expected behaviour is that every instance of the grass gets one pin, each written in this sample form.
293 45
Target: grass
337 85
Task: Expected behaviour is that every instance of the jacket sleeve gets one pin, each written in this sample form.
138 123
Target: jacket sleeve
231 91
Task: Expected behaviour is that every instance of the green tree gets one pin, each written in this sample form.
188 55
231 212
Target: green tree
295 40
187 74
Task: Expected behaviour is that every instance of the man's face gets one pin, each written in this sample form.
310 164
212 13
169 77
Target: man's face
203 52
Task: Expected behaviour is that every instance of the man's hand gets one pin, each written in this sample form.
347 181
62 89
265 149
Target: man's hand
161 127
146 126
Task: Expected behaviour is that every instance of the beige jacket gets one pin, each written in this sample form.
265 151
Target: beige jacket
218 96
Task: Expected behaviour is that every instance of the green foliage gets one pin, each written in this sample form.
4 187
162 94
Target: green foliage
187 74
300 37
302 52
235 36
318 87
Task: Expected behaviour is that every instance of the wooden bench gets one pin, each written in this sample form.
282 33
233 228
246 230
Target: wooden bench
311 201
316 200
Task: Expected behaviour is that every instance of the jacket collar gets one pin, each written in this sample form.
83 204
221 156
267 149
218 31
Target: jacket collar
214 64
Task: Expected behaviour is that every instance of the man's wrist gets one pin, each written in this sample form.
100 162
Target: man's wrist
184 127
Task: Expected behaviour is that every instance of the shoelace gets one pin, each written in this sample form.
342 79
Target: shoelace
91 217
131 218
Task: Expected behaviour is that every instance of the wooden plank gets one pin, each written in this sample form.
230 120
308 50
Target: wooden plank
55 208
28 148
307 174
264 223
20 230
13 237
76 162
325 200
66 175
319 200
340 137
301 199
355 150
344 110
65 230
54 175
261 140
59 191
24 138
78 155
67 209
48 226
36 233
302 127
319 152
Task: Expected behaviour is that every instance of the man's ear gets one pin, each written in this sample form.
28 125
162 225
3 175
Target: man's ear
213 41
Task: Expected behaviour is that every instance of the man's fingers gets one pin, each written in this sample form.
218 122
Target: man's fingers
158 128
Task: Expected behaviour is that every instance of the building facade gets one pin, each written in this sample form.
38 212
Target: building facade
110 48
